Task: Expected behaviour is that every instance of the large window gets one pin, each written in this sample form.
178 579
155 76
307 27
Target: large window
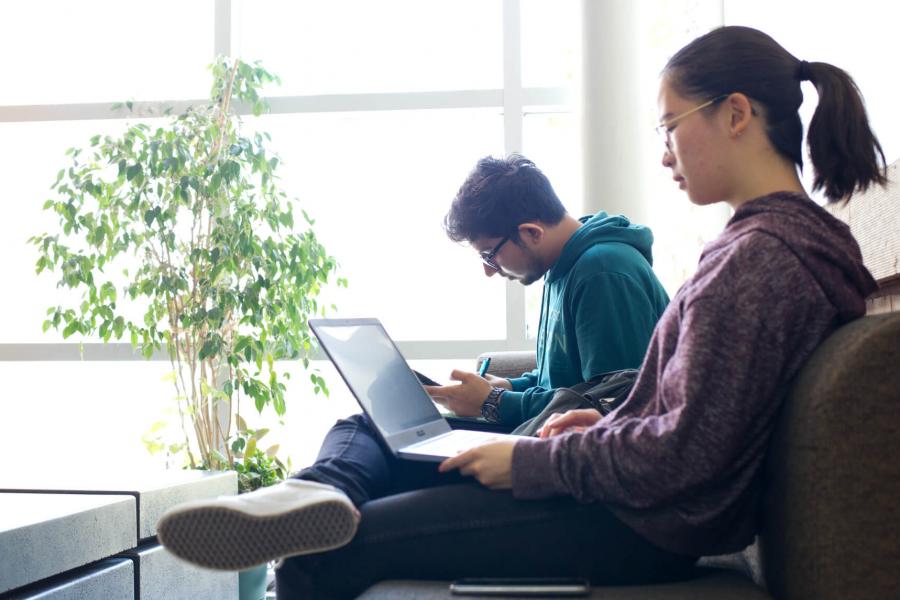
383 109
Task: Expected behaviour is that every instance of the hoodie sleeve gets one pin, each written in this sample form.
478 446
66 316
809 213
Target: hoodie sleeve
707 404
517 407
527 380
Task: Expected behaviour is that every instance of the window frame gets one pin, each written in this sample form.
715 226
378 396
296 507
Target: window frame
512 99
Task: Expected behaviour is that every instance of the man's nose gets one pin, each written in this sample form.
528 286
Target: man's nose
489 271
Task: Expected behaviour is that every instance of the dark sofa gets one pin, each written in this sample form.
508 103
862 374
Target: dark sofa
831 515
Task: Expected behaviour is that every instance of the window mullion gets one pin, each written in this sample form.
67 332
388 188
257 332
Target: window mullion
512 142
222 38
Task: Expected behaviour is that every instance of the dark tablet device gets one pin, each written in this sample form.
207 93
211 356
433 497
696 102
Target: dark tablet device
425 379
560 587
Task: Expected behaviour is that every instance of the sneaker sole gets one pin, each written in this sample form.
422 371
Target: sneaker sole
226 539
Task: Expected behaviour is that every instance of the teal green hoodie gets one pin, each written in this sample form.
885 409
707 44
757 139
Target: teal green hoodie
601 302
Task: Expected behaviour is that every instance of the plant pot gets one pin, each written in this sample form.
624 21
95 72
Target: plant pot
252 583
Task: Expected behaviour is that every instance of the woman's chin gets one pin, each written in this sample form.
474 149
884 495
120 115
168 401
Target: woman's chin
700 199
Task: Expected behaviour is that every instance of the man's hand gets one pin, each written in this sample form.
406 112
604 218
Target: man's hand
499 382
571 420
464 399
490 464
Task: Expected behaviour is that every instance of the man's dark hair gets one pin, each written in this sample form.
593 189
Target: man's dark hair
845 153
499 195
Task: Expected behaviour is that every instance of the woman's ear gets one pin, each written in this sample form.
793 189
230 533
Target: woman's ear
740 113
531 233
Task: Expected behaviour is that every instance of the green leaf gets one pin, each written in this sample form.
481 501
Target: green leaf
210 348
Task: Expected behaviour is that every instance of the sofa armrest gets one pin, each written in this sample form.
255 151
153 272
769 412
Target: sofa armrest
509 363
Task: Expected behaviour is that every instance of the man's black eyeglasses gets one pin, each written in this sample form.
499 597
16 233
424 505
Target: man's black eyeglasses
488 257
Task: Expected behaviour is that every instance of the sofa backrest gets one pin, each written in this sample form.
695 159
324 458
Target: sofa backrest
831 515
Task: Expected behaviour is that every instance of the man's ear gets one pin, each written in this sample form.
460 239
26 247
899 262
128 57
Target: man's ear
740 113
531 234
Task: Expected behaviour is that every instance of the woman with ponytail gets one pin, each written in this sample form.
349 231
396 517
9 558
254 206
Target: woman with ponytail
680 462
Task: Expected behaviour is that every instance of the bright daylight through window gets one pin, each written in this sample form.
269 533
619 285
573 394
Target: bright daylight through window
377 121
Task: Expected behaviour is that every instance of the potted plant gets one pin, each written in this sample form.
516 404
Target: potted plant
256 468
177 237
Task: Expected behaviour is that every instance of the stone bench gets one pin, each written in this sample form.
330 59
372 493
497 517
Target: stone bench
88 536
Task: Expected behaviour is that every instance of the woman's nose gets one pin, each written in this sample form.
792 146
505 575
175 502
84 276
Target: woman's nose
489 271
668 159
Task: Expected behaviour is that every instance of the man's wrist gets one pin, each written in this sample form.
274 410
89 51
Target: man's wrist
490 408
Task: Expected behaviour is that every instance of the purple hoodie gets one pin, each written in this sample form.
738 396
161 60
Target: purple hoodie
681 460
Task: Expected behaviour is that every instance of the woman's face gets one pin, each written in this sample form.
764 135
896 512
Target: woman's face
695 149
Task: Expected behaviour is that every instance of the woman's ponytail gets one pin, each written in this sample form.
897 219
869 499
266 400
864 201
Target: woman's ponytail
845 153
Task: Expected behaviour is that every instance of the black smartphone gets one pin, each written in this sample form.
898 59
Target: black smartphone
560 587
425 379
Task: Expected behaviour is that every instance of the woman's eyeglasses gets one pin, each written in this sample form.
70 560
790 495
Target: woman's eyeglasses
664 129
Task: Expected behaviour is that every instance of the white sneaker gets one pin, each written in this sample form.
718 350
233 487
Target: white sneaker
233 533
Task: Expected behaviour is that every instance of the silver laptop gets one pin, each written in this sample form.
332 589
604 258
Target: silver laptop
390 393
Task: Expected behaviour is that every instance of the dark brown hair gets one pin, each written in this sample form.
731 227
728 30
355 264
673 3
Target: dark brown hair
499 195
844 151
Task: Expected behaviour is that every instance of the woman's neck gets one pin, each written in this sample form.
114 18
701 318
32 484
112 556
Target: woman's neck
767 175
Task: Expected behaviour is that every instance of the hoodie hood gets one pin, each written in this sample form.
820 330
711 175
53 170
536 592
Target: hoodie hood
599 229
822 243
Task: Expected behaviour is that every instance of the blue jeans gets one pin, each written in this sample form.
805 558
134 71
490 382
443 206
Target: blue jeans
421 524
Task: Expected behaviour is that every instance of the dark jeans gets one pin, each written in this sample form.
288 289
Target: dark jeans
419 524
354 459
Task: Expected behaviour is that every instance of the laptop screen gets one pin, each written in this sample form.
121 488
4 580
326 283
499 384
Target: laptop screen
376 373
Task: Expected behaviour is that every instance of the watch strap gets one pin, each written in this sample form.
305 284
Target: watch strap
490 408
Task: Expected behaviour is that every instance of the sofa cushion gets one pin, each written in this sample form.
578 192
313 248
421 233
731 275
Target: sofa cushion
831 520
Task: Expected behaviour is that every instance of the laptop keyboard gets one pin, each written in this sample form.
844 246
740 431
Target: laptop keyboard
456 441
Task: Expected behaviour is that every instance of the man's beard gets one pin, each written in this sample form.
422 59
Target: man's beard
535 270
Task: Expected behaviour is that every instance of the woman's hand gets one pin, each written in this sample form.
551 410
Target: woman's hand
571 420
490 464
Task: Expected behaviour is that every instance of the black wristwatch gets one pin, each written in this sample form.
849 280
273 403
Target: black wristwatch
490 409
